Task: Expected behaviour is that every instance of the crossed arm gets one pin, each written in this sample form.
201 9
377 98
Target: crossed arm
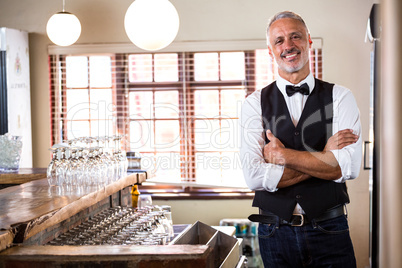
302 165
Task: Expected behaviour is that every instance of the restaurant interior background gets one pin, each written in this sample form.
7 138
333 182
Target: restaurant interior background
340 24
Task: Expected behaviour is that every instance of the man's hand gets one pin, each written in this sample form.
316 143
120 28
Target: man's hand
274 153
273 150
341 139
321 165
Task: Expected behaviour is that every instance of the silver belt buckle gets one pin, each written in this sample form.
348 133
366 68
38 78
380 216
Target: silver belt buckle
301 220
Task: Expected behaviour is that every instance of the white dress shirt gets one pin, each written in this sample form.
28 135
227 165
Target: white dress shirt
260 175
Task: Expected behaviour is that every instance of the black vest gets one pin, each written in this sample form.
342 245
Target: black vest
311 134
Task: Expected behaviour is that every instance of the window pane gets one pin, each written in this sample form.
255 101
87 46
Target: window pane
229 135
148 163
166 68
101 128
208 168
77 71
77 104
100 71
76 129
231 168
206 103
232 66
140 68
206 67
167 166
167 104
141 104
231 101
263 68
141 136
207 135
101 104
167 135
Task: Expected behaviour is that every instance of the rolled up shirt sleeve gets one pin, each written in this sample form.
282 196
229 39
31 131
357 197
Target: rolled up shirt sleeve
347 116
258 174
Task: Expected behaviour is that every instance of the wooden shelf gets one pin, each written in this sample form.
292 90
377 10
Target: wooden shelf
35 206
23 175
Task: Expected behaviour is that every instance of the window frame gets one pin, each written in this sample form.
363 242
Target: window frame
121 85
186 76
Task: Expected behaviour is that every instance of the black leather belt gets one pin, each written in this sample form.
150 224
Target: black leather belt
296 219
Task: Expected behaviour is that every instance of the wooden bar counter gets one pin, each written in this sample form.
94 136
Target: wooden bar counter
32 207
23 175
34 213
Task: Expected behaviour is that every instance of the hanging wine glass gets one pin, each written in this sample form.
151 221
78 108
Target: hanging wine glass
61 167
121 159
123 163
51 169
80 172
107 161
90 167
72 168
99 171
91 164
116 164
86 168
68 170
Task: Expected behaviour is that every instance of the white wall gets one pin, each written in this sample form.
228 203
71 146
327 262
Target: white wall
341 24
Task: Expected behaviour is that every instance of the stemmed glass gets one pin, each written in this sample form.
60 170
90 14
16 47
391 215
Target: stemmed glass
62 167
123 163
121 159
107 157
115 161
107 164
80 168
100 168
66 162
121 226
51 169
87 166
73 167
91 167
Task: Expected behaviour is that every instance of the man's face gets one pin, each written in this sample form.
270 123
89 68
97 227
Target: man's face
289 44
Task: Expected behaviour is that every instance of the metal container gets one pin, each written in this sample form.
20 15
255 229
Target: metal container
226 249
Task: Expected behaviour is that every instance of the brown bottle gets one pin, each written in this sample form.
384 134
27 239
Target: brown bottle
135 195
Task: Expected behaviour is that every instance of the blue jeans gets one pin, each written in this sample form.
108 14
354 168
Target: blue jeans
323 244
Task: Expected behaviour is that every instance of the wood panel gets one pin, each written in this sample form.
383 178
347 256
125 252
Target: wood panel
191 256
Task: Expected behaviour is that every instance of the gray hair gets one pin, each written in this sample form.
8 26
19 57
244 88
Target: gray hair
284 15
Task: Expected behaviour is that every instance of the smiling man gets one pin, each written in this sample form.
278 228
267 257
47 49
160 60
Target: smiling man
300 143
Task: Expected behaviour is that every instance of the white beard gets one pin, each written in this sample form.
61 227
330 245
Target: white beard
292 68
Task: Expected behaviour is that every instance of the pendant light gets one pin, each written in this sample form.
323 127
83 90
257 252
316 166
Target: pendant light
151 24
63 28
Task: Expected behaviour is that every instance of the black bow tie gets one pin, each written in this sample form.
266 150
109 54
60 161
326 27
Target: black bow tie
303 89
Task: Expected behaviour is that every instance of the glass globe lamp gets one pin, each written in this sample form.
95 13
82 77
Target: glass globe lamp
63 28
151 24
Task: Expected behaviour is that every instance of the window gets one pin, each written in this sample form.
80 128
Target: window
179 110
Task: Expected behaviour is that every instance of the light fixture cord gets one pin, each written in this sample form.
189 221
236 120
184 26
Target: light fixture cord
64 3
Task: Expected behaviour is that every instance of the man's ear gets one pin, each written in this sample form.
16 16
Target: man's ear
310 41
270 52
